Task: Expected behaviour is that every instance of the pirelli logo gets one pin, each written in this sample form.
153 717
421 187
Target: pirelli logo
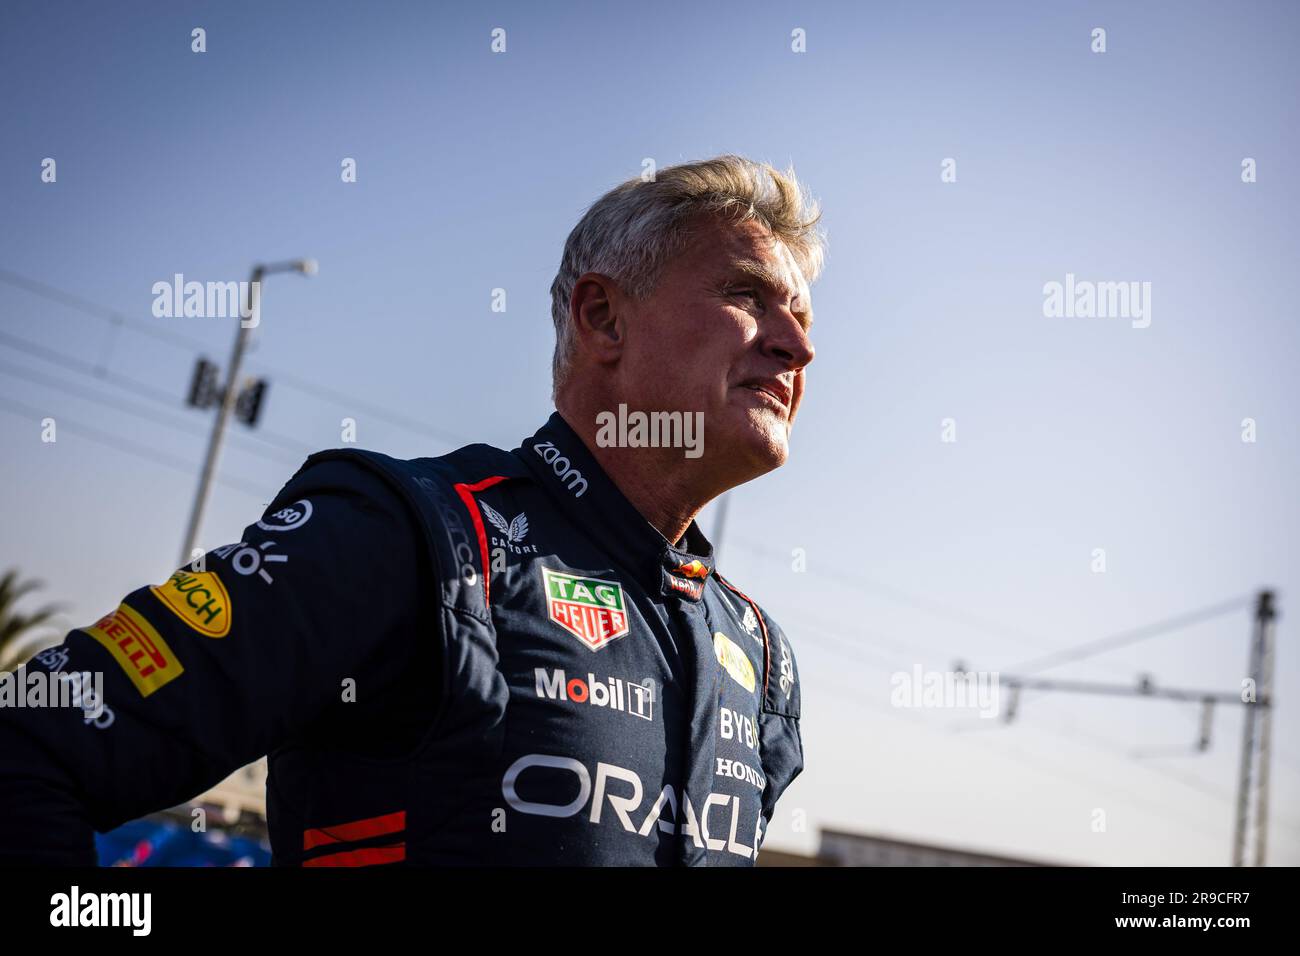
138 649
198 599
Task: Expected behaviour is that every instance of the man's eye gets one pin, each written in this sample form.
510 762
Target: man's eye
751 293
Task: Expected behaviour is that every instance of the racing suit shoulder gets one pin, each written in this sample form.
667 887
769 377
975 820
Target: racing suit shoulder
781 672
318 791
440 492
245 648
781 740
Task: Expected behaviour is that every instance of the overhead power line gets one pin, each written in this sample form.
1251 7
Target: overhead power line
106 314
126 445
104 399
1132 636
899 596
819 635
98 311
370 408
1034 762
273 439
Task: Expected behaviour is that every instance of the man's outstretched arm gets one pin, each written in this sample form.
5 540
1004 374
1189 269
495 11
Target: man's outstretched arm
213 668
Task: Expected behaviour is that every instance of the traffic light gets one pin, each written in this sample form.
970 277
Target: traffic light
204 389
248 404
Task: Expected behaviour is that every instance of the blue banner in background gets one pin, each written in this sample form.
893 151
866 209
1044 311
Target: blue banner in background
166 843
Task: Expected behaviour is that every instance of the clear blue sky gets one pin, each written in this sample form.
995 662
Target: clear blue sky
1073 434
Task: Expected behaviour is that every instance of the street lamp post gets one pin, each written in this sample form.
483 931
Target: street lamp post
253 309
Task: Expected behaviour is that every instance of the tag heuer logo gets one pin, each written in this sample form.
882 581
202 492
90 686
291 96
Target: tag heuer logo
590 609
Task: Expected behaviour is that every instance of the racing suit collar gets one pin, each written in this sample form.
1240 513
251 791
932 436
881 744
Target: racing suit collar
566 468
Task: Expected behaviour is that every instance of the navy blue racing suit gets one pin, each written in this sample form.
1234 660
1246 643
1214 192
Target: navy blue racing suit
485 658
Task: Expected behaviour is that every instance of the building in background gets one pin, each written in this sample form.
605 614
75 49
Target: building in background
840 848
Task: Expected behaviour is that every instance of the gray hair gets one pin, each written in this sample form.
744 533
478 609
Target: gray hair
633 231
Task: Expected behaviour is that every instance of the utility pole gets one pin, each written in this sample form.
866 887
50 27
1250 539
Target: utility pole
1261 676
252 309
720 526
1266 615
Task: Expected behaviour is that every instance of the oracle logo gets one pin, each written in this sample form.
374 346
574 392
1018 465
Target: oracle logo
658 816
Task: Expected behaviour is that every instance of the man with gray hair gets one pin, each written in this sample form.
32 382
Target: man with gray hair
522 657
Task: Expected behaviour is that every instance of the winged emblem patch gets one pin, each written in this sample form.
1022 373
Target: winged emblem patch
514 530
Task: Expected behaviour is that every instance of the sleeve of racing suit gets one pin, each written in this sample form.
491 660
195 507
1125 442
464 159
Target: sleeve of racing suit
780 736
189 680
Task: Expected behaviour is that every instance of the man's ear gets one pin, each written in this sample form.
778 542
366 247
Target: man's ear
598 317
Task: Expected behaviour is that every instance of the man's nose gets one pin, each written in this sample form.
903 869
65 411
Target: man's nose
788 341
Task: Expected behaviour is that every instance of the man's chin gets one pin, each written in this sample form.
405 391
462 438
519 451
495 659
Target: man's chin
764 442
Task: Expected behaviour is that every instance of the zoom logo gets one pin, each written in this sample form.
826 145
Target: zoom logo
569 476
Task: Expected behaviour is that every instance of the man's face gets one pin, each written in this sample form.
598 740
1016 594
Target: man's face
725 332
